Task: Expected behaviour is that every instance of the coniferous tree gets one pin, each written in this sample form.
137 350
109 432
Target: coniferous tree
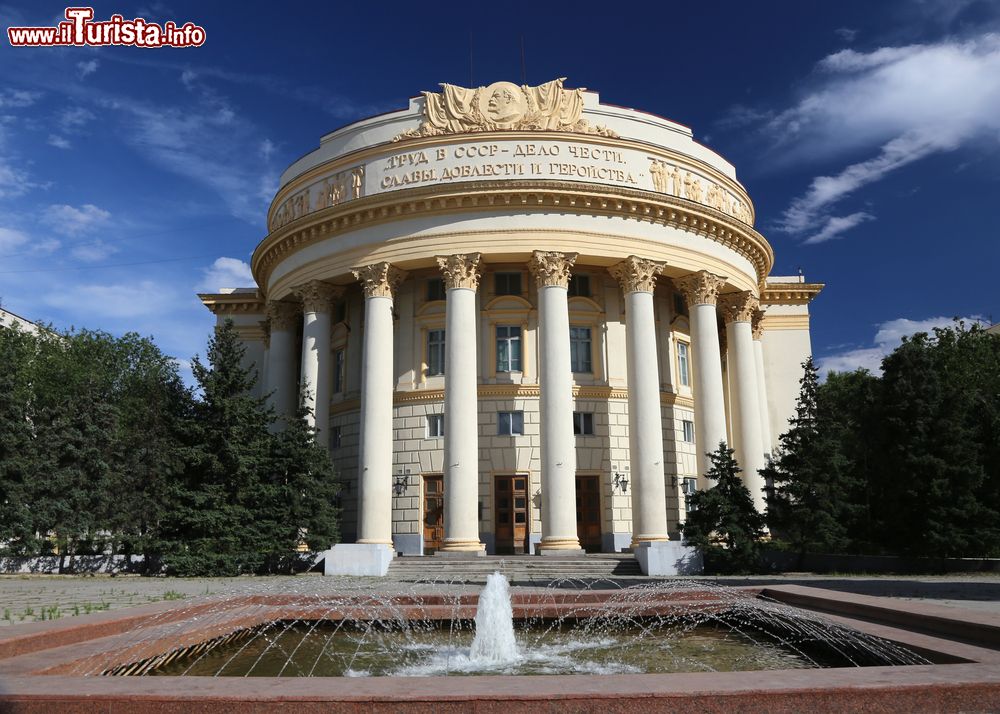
723 523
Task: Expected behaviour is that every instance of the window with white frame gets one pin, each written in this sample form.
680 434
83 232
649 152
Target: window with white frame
335 437
688 426
583 423
435 352
510 423
684 364
579 349
435 425
508 348
689 488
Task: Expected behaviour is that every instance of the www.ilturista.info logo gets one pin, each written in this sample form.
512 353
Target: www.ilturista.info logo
80 29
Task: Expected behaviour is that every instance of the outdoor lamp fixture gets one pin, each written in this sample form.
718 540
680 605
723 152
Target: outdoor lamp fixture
400 482
621 482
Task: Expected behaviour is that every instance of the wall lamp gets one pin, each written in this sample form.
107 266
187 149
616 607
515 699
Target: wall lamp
400 482
621 481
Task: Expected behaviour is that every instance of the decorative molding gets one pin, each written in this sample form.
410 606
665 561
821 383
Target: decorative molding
701 288
551 269
283 315
460 270
317 296
790 293
233 303
592 199
636 275
504 106
379 279
785 322
757 323
738 307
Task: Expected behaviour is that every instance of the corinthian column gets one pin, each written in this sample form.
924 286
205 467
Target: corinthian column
738 310
645 424
461 406
281 386
317 299
375 493
758 354
555 381
701 290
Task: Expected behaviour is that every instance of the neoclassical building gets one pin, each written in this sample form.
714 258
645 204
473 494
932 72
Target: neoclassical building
521 318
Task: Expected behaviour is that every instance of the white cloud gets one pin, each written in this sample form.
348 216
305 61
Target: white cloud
93 251
847 34
13 180
17 98
60 142
87 67
123 300
10 239
72 221
226 273
75 117
835 226
888 337
905 103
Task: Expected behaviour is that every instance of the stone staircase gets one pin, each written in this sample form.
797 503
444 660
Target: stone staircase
519 569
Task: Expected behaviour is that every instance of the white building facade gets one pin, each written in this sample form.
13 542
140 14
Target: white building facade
521 318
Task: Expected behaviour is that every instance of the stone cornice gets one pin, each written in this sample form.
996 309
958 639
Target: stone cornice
790 293
379 279
636 275
575 197
233 303
317 296
460 270
701 288
551 269
738 307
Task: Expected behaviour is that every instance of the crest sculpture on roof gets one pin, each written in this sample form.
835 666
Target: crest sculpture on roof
504 106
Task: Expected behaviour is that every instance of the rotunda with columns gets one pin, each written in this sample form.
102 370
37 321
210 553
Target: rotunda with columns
521 319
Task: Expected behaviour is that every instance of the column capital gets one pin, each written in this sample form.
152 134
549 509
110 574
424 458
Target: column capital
318 296
551 269
636 275
757 323
283 315
460 270
379 279
738 307
701 288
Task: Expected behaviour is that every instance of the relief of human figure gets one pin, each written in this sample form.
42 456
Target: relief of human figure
692 187
357 182
658 170
716 198
675 181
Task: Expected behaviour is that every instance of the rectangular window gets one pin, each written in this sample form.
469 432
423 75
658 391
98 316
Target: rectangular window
680 305
341 315
510 423
338 371
579 349
688 431
435 425
435 352
508 348
335 437
579 286
583 423
690 488
507 283
435 289
683 364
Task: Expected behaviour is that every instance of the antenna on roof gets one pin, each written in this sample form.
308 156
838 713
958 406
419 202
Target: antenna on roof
801 278
471 82
524 71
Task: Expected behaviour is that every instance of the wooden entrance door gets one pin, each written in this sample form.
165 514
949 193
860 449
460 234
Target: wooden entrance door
588 512
511 514
433 512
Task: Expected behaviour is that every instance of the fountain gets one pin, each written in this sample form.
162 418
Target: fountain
494 643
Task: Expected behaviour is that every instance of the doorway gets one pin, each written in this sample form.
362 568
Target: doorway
511 514
588 512
433 512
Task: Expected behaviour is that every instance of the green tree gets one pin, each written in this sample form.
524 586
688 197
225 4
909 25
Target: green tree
17 444
724 524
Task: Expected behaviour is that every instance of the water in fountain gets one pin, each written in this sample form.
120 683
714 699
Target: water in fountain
353 627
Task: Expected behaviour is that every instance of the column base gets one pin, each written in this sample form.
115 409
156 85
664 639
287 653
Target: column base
458 547
364 559
661 558
559 546
638 540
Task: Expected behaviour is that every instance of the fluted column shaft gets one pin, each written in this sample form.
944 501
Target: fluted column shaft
461 406
555 381
701 290
375 478
738 310
281 386
758 353
317 302
645 423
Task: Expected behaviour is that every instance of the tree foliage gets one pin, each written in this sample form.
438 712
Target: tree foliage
723 523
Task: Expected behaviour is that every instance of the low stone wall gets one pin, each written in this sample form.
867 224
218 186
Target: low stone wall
76 564
785 561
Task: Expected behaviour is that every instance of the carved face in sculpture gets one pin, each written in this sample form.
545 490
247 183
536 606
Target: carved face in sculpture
503 103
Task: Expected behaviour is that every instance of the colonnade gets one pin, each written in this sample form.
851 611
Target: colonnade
551 271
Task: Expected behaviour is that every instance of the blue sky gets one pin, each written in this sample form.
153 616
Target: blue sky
868 135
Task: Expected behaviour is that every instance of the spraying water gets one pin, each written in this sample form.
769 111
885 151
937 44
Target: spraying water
494 642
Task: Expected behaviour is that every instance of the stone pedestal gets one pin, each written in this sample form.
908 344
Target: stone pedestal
663 558
371 559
